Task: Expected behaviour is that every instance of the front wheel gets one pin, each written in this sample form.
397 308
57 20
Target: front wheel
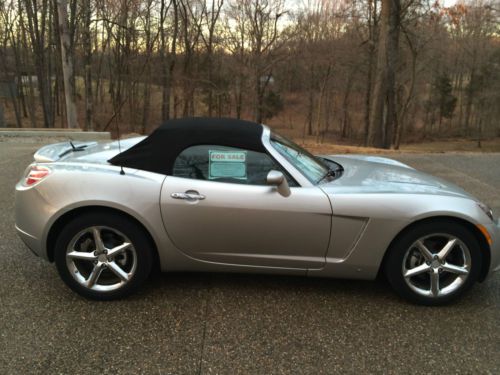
433 263
103 256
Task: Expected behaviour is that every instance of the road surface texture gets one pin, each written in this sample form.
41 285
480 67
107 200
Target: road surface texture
241 324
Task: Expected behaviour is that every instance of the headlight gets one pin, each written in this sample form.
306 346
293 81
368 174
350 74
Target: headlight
486 210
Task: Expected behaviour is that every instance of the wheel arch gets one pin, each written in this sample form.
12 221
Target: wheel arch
483 243
62 220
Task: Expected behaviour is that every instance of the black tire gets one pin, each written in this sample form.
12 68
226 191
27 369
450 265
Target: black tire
393 266
140 241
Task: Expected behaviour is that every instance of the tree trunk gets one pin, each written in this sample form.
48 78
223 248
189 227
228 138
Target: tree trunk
310 106
17 96
320 102
28 80
147 70
402 118
12 93
391 123
372 26
211 22
168 58
87 45
469 99
345 104
37 19
384 100
239 96
67 64
259 98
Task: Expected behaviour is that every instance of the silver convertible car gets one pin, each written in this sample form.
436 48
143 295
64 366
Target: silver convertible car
227 195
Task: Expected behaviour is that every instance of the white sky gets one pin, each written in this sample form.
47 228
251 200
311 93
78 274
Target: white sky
293 3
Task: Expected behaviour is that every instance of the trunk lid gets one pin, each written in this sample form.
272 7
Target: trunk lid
83 152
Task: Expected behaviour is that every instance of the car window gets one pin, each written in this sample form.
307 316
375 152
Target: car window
226 164
310 166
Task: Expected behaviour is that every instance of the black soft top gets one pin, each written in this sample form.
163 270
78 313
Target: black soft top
157 153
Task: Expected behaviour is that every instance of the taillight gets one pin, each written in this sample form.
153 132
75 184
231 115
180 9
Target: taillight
36 174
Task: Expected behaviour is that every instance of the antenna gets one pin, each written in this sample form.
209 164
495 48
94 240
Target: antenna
122 172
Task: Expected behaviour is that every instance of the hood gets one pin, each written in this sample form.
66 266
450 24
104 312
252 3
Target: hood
89 152
372 174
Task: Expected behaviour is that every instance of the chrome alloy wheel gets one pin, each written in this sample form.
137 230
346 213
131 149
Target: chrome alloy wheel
101 258
436 265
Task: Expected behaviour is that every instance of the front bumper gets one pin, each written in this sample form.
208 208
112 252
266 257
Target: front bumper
494 231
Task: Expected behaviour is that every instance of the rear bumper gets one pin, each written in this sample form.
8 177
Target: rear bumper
32 213
29 240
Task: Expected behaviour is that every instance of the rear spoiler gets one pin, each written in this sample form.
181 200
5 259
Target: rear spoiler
55 151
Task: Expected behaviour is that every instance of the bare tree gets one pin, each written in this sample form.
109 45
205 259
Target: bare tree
87 52
383 108
67 64
211 16
258 24
190 14
167 57
378 72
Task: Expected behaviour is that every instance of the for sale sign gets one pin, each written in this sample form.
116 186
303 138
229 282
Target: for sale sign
227 164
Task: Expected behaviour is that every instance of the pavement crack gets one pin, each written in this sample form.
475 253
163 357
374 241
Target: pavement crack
205 319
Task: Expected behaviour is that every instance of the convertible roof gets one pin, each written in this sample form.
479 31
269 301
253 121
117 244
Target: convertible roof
157 153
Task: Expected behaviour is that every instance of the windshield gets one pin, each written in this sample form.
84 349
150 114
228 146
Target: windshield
309 165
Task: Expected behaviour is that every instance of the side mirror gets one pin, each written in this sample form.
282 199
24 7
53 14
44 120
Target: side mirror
276 178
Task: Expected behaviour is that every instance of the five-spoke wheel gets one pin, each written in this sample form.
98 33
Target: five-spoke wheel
436 265
434 262
103 256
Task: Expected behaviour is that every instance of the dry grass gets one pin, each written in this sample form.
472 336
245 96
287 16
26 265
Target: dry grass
439 146
454 145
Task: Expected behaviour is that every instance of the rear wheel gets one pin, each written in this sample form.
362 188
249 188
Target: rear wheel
103 256
434 263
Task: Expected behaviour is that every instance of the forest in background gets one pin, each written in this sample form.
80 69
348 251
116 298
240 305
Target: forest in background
369 72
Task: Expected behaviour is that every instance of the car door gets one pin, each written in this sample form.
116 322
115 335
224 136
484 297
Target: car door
217 207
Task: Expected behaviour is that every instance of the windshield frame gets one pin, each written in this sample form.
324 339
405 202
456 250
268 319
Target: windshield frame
313 179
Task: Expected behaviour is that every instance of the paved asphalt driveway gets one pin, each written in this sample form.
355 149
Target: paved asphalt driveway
229 324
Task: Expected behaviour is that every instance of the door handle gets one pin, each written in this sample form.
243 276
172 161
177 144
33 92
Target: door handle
188 195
